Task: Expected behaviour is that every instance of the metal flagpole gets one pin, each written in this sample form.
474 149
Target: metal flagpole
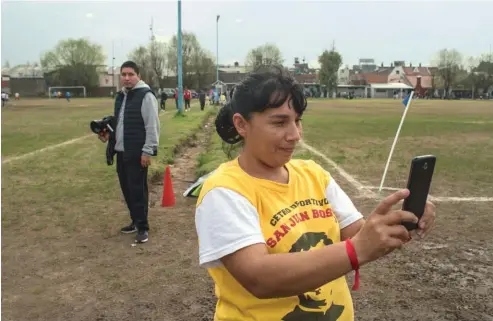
395 140
217 49
180 71
113 67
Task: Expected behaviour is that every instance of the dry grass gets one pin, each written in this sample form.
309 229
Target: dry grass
62 209
64 259
358 136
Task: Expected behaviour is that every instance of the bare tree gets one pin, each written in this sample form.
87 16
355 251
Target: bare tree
266 54
157 54
203 64
480 77
141 57
449 63
197 63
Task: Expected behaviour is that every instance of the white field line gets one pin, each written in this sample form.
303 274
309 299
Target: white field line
353 181
384 188
460 199
68 142
367 190
442 198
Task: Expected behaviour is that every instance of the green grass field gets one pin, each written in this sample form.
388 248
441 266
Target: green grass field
358 135
56 192
27 127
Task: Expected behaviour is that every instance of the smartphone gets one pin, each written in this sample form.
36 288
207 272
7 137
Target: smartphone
418 183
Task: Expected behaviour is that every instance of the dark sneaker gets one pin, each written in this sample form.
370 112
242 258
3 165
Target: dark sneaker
129 229
141 237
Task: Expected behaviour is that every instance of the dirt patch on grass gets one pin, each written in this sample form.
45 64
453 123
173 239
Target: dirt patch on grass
447 275
192 296
92 271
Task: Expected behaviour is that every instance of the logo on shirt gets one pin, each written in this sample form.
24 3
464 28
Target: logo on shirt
313 305
296 218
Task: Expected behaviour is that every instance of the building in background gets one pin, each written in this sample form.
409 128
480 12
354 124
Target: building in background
26 79
230 76
109 80
6 82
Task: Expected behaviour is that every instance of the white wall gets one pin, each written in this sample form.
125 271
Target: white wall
396 75
343 76
383 93
105 80
358 92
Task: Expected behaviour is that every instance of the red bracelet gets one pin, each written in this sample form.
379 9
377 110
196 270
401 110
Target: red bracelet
353 258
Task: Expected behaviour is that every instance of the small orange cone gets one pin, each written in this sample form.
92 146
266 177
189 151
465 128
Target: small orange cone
168 199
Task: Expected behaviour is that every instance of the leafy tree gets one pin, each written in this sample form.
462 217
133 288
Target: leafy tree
330 62
73 62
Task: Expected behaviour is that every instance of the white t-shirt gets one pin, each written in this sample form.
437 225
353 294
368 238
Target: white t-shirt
223 233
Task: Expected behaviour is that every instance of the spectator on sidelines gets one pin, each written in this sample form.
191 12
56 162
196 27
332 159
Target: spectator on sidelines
223 99
164 97
5 98
135 140
216 97
202 99
176 98
211 97
187 96
279 235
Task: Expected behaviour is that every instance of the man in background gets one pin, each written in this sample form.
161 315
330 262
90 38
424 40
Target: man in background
164 97
202 99
176 98
5 98
135 140
187 96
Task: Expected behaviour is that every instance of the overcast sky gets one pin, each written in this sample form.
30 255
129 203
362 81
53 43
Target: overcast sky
386 31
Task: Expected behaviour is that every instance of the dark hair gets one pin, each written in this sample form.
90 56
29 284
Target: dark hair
130 64
267 87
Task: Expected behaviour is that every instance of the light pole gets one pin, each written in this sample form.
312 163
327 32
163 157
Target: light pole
113 67
180 76
113 59
217 49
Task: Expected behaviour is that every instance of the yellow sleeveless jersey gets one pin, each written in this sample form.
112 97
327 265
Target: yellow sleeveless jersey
293 217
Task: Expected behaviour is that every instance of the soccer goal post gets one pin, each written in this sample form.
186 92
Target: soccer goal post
63 89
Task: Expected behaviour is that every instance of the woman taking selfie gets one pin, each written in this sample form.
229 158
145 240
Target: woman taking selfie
279 235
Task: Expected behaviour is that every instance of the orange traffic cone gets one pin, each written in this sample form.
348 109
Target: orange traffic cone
168 199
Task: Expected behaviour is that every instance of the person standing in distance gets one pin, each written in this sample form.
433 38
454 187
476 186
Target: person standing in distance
164 97
135 140
187 95
202 99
